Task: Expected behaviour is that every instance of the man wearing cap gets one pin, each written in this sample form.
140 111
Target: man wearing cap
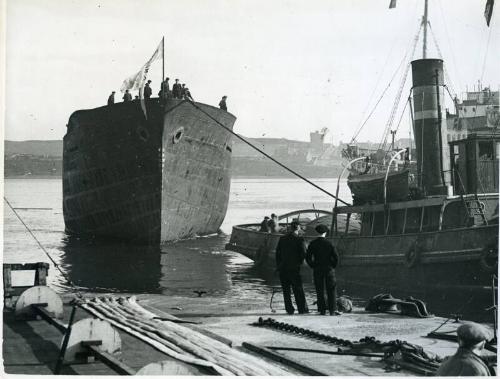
147 90
290 254
264 225
127 96
322 258
111 98
467 360
176 89
222 103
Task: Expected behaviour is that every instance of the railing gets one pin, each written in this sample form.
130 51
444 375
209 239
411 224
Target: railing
387 172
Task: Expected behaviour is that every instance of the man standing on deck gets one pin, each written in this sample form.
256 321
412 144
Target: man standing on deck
467 360
127 96
176 89
147 90
322 258
264 225
111 98
222 103
290 254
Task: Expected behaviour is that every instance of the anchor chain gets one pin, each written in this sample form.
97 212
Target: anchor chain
395 349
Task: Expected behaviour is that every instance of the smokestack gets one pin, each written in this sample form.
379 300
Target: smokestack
429 126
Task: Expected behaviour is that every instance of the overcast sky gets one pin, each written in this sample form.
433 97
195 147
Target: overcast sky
287 67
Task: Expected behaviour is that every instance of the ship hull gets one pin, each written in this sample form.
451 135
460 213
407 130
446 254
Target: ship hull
123 174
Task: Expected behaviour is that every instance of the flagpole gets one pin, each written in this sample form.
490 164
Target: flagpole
163 67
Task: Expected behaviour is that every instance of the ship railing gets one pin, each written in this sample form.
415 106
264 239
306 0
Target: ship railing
398 153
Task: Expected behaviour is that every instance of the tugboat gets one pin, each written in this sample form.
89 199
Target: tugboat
426 229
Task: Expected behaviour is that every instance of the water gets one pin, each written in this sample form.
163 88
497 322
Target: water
176 268
172 269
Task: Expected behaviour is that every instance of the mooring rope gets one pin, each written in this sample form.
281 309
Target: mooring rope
266 155
68 281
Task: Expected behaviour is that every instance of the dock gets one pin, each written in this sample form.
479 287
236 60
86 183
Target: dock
32 346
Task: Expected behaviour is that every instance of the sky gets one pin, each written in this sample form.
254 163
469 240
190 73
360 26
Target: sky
288 67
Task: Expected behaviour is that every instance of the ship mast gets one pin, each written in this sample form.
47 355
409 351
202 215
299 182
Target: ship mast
424 24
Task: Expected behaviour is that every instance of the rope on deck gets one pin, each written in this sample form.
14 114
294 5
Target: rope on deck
177 341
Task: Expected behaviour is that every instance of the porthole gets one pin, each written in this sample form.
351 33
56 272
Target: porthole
179 132
142 133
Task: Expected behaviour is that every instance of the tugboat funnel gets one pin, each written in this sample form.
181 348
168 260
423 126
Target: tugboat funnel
429 126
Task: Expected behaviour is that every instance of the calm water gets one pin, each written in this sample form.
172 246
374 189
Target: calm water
175 268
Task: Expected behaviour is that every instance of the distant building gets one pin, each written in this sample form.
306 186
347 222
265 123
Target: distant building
479 110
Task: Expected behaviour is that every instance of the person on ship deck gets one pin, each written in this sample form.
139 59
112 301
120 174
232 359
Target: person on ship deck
147 90
127 96
176 90
111 98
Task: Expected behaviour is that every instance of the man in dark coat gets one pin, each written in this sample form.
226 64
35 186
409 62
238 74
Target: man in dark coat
467 360
176 89
127 96
111 98
147 90
322 258
290 254
264 227
222 103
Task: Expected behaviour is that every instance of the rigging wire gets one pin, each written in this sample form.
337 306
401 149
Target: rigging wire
486 54
68 281
400 91
447 77
265 154
453 58
386 88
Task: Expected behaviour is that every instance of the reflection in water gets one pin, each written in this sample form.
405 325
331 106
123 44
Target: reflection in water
111 267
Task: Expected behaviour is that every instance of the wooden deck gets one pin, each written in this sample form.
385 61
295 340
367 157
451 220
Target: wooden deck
32 347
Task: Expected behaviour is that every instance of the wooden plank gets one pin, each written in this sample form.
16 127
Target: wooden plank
7 279
268 353
42 312
26 266
110 361
41 276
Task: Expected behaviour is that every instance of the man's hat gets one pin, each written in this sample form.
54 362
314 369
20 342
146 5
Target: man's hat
224 97
113 92
273 214
167 79
321 229
266 218
473 333
149 81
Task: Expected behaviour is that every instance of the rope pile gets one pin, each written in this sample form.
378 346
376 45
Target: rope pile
177 341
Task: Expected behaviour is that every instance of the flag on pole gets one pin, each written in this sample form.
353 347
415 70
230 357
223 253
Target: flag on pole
392 4
488 11
137 81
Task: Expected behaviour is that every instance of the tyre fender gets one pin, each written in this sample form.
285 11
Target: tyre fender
412 256
488 260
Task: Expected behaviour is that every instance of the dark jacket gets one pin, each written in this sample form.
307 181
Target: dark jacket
264 227
321 254
111 99
176 90
127 96
222 105
290 252
147 91
463 363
